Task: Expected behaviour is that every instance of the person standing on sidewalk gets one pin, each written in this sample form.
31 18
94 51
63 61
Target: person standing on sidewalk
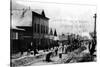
64 50
56 51
60 50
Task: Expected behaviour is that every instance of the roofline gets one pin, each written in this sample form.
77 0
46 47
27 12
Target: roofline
17 29
23 26
36 14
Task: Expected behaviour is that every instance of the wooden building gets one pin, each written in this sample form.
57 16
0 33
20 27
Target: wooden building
35 25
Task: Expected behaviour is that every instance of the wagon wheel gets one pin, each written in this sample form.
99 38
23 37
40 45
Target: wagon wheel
90 46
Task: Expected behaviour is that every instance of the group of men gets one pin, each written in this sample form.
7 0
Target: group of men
56 51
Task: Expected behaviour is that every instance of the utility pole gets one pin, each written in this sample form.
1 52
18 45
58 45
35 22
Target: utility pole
94 40
95 16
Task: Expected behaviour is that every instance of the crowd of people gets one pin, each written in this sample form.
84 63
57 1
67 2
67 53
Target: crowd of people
65 48
62 47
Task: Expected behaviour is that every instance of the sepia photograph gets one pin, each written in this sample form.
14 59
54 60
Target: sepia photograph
44 33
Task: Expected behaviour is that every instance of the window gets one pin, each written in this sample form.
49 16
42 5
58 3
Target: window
46 30
38 28
14 35
41 28
35 27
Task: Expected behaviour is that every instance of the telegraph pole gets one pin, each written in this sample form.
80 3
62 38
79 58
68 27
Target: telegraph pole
95 16
94 40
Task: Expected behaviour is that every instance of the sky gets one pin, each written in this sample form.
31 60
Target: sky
65 18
